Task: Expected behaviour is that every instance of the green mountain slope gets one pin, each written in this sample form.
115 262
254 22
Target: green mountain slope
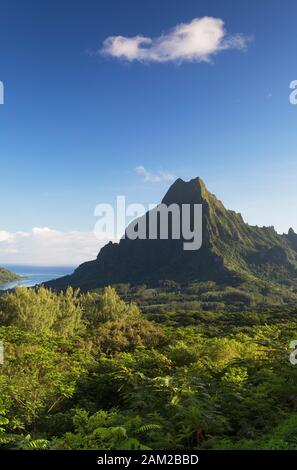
232 251
7 276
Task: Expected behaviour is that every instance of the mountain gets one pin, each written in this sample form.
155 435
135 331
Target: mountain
7 276
232 251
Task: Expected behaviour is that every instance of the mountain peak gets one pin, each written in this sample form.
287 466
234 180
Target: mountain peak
186 192
231 251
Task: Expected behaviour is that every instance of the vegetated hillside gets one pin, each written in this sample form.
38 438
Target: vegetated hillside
90 371
7 276
232 252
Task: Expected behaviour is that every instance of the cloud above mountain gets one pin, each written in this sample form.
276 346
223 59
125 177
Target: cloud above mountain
149 177
45 246
196 41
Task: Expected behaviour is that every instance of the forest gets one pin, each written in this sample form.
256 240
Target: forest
174 367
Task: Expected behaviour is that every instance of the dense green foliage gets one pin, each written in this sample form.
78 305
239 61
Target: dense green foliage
90 371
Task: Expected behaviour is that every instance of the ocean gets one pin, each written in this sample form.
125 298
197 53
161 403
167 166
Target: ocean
35 274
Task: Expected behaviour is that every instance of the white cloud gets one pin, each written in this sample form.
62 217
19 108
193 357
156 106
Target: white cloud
196 41
44 246
154 177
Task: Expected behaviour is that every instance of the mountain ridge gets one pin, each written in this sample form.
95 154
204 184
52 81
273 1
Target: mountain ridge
232 251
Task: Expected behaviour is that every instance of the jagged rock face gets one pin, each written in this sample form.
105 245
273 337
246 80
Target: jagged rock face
292 239
231 250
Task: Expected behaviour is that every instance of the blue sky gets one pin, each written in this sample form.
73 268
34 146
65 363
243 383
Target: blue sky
76 123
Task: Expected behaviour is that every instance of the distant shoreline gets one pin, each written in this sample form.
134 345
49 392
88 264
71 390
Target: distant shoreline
30 276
